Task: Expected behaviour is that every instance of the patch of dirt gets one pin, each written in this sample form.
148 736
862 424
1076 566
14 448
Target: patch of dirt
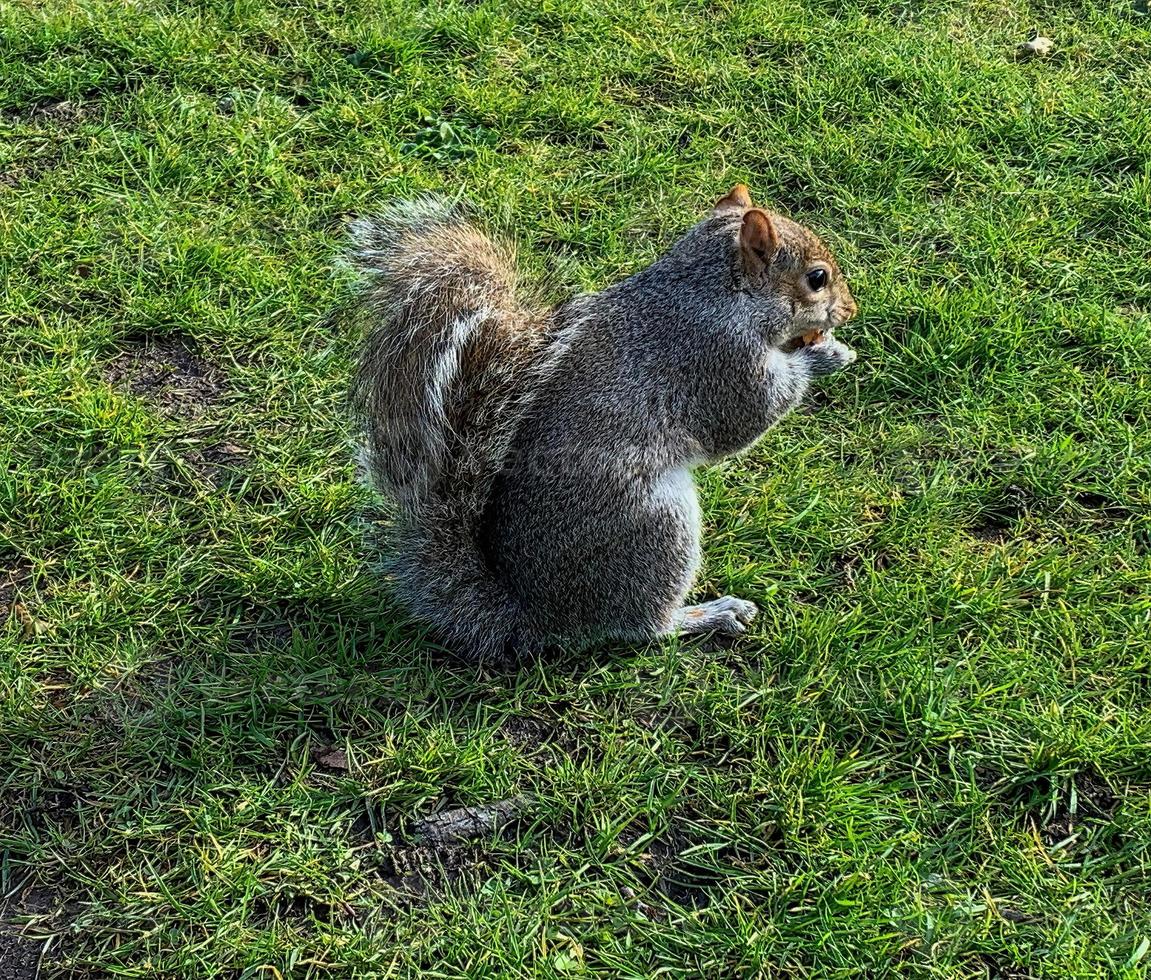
663 86
20 956
418 872
587 138
13 579
216 462
529 734
1093 799
999 971
1056 809
269 635
169 373
847 567
55 117
18 599
24 171
1002 513
683 880
773 48
55 112
1096 792
986 779
415 870
1102 506
301 910
525 733
54 807
188 472
669 867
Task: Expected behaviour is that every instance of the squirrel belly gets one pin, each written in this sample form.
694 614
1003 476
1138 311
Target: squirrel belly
538 458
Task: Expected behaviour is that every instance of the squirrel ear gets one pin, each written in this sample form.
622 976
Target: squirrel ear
757 240
736 199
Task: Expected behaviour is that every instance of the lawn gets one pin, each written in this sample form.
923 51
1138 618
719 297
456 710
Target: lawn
931 754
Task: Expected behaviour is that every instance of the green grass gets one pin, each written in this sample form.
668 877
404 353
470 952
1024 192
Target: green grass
931 756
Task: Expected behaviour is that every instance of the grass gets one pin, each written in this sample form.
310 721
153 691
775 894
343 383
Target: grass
931 757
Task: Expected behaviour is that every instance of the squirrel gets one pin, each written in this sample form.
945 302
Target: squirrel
539 459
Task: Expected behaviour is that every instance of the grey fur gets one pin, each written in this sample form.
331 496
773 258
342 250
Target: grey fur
543 490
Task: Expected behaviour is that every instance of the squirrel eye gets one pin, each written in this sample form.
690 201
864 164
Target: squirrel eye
817 279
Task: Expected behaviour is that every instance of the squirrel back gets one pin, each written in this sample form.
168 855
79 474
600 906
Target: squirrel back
450 361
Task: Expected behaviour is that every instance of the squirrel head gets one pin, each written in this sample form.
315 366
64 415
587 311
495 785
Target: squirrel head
786 267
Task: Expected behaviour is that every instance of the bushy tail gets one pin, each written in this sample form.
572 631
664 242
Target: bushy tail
448 366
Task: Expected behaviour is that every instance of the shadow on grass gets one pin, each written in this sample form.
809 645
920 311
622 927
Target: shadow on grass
288 703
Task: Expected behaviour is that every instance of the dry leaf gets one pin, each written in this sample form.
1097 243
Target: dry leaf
333 758
1037 47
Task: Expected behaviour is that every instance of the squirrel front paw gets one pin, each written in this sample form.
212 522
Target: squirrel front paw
827 356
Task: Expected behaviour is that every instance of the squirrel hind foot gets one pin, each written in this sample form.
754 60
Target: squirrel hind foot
727 615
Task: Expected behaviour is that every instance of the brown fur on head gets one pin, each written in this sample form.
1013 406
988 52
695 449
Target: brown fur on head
785 260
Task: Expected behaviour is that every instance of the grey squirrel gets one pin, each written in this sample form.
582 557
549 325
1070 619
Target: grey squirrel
539 459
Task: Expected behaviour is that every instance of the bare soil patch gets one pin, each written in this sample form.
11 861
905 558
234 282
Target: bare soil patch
168 372
14 577
1094 800
20 956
